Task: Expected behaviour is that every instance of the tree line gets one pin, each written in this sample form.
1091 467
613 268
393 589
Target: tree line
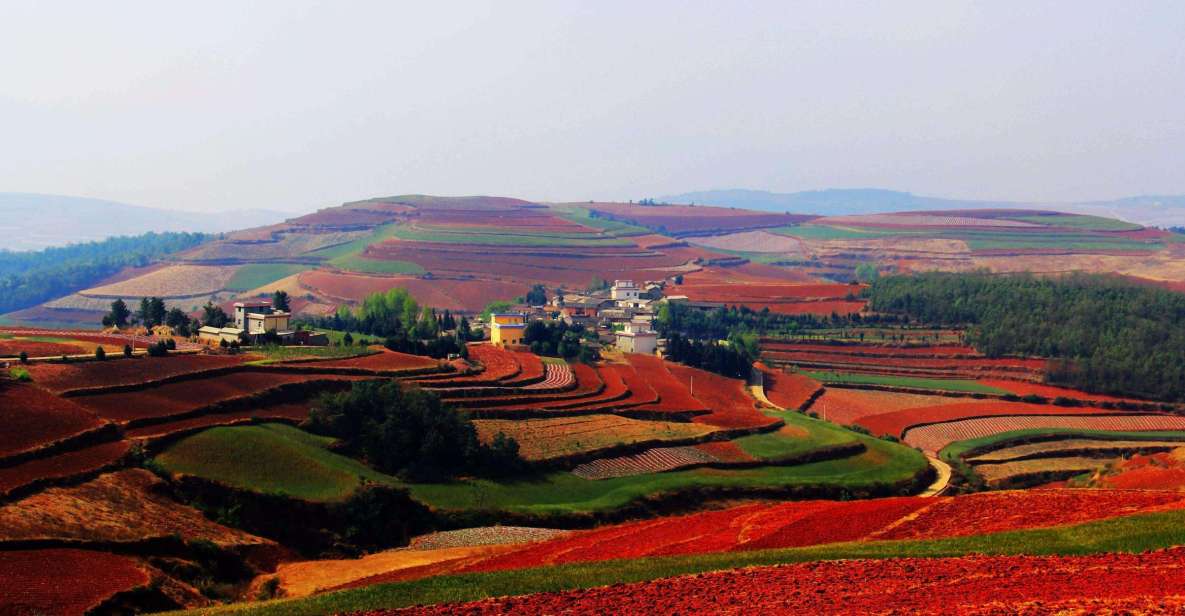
1103 333
30 278
403 325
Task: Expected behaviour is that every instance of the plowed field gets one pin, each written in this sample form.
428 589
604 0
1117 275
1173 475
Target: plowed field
31 418
64 465
897 422
728 399
542 439
120 372
672 394
934 437
64 581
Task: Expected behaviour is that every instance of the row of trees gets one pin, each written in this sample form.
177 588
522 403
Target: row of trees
558 339
405 327
409 433
152 312
731 359
30 278
1104 333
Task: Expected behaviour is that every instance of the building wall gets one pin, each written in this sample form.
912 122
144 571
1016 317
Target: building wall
506 335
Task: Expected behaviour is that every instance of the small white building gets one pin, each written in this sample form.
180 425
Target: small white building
624 290
637 337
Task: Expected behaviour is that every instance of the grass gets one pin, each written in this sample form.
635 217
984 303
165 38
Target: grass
355 262
581 216
1077 245
380 233
1130 534
505 237
791 441
826 232
256 275
565 493
965 385
1082 221
276 353
272 459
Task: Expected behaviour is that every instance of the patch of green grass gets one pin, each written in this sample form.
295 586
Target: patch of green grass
1130 534
272 459
256 275
828 232
564 493
1076 245
1081 221
358 263
507 237
581 216
904 381
789 442
275 353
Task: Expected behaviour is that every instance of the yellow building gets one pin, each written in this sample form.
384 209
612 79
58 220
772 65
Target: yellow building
507 328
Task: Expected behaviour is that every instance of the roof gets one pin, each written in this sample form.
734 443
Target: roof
253 303
638 334
508 314
209 329
510 325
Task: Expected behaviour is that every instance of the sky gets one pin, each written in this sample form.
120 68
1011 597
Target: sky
294 105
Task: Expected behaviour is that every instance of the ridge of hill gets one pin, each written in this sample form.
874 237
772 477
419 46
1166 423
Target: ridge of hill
30 221
1160 210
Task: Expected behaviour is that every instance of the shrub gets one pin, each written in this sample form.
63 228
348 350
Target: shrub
171 344
24 357
100 354
1034 399
1010 398
1064 401
127 350
223 343
21 374
159 349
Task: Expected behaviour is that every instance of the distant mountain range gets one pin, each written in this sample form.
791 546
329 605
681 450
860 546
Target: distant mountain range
1152 210
32 221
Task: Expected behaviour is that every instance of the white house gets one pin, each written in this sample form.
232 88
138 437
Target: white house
637 337
624 290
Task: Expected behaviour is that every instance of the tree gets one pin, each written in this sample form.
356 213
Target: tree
214 316
118 317
347 340
156 311
24 357
537 296
178 320
127 350
100 354
463 329
867 272
280 301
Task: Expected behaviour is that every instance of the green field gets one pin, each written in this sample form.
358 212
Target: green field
1081 221
274 353
581 216
256 275
565 493
904 381
272 459
826 232
379 234
355 262
786 444
506 237
1130 534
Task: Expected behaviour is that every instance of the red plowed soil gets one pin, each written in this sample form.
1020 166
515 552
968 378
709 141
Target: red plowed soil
63 465
689 219
953 363
725 451
442 293
13 348
31 418
963 585
672 394
185 396
990 512
1022 388
499 363
872 350
63 581
294 413
789 390
897 422
531 369
731 404
66 377
384 361
1159 471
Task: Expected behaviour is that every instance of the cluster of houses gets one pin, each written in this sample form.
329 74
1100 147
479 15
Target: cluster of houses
624 312
253 320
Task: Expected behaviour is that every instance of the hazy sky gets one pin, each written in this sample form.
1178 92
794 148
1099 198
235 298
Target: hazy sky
295 105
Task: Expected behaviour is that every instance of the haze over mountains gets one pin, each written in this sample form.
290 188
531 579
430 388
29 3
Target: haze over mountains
1152 210
31 221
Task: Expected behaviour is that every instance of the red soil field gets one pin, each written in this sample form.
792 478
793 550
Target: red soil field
748 273
672 394
989 512
499 363
934 437
1159 471
383 361
731 404
871 350
1023 388
769 292
897 422
33 418
64 465
119 372
788 390
186 396
292 412
588 386
691 219
954 363
444 294
614 392
725 451
13 348
64 581
531 369
963 585
845 406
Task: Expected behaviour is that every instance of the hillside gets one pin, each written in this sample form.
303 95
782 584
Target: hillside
461 253
33 221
